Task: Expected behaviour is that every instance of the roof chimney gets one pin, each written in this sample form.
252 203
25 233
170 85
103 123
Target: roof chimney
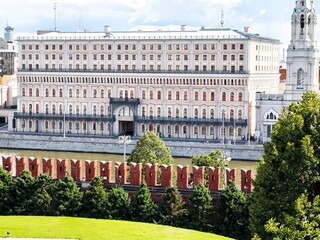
246 29
106 29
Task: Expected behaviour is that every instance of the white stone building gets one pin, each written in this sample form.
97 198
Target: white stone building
302 69
182 84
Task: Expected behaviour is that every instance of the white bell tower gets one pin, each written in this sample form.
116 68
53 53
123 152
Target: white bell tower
302 53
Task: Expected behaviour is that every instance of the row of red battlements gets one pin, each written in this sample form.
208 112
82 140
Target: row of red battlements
86 170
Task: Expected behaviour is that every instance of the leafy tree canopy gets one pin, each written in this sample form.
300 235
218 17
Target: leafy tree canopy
290 165
151 149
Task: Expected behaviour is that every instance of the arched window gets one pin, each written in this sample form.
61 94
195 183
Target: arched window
159 95
184 129
70 109
126 94
169 95
84 110
151 95
102 93
169 112
109 93
177 113
46 125
232 96
211 130
196 96
224 96
143 94
176 129
212 113
94 110
204 113
240 114
37 108
53 125
195 130
84 93
60 93
300 77
177 95
159 112
23 92
143 111
53 109
151 112
196 113
23 108
121 94
203 130
47 109
101 126
47 92
37 92
185 112
101 110
77 109
204 96
231 131
240 97
212 96
53 93
78 93
231 114
131 94
109 110
143 128
30 92
70 93
185 96
95 93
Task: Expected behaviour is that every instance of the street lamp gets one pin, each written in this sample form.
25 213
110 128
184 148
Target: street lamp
124 140
226 160
223 131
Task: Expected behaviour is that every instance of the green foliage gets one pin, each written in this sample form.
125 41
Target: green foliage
143 208
21 194
5 186
200 209
66 198
94 200
212 159
290 165
304 225
118 204
151 149
171 208
233 220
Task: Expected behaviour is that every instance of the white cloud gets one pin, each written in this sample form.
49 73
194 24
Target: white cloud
262 12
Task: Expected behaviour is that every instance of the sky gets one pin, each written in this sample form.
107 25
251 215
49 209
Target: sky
269 18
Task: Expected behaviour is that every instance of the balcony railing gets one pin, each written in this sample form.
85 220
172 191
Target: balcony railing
134 101
71 117
183 120
133 71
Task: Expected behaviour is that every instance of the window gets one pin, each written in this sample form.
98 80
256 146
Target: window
196 96
240 97
177 95
151 95
169 112
169 95
225 57
159 95
232 96
224 96
204 96
225 46
185 96
212 113
212 96
143 94
196 113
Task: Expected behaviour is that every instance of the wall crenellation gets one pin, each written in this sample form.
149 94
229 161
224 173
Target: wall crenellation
117 173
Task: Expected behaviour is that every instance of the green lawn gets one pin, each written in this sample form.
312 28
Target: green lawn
82 228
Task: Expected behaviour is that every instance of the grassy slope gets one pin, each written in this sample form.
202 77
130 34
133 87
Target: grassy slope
81 228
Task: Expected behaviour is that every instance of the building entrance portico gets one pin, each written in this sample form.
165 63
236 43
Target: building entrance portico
124 121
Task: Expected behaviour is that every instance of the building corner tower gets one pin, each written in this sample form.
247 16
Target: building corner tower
302 53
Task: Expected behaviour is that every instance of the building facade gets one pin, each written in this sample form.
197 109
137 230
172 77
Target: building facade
302 72
181 84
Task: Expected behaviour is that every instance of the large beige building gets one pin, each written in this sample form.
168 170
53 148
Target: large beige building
181 84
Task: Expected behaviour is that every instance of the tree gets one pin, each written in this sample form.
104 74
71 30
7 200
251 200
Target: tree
213 159
304 225
118 204
41 200
66 198
5 186
233 213
21 193
143 208
290 165
200 209
94 200
151 149
171 208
